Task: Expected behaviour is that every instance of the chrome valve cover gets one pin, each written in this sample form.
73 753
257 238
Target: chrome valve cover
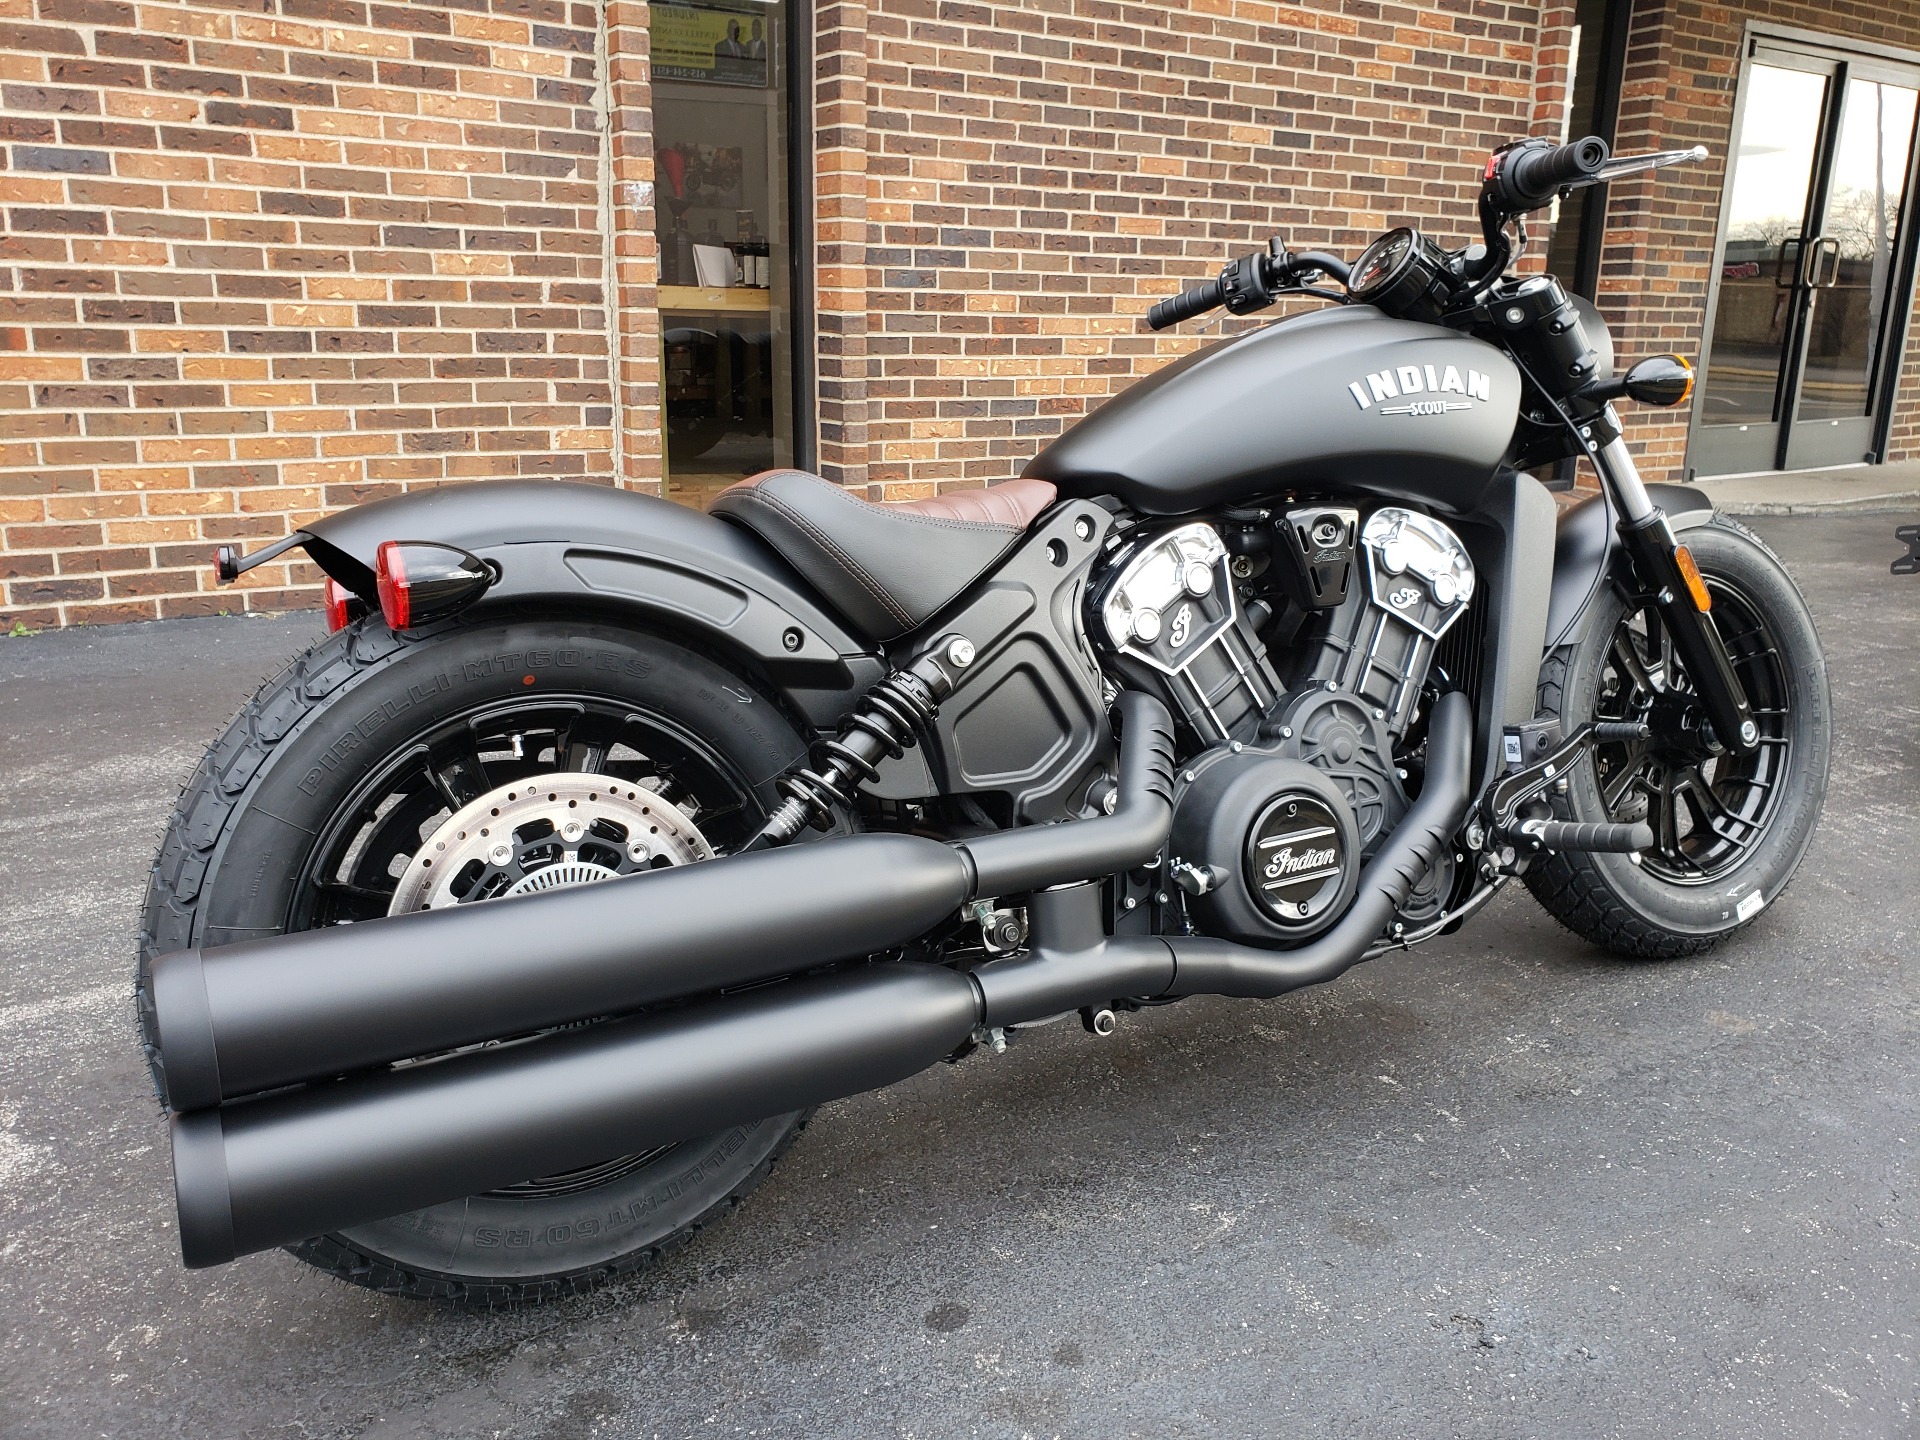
1417 569
1172 598
1171 611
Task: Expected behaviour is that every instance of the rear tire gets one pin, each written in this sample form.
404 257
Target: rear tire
257 837
1718 871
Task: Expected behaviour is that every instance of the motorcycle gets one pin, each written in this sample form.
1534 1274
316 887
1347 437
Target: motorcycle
1276 662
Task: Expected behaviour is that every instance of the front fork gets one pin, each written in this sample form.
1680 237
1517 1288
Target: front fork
1665 569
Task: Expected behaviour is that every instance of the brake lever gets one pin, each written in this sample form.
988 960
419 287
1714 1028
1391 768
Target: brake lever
1621 165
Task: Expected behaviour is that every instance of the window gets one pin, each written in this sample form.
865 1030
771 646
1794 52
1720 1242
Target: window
1598 62
721 131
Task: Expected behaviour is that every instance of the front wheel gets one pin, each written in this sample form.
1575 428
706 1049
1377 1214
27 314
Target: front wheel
380 774
1729 830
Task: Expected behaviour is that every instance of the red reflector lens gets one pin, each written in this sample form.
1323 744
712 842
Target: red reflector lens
390 577
338 599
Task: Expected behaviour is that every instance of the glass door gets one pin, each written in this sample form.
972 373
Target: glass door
1807 309
724 223
1848 272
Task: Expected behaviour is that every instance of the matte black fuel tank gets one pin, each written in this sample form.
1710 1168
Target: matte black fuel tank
1342 399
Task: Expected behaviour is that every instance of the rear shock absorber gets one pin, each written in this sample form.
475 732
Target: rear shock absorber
883 725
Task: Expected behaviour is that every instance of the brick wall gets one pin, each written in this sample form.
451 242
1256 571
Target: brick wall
265 261
1038 173
259 261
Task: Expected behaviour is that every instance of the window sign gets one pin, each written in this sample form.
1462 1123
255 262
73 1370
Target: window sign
711 44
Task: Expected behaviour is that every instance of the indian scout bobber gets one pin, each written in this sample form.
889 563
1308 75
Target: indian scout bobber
1275 662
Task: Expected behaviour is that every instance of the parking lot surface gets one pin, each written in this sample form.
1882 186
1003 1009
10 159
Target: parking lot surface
1502 1186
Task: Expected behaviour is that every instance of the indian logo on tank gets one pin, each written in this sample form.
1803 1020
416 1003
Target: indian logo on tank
1434 383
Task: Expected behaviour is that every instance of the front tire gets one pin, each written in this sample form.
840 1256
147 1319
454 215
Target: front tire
300 816
1730 831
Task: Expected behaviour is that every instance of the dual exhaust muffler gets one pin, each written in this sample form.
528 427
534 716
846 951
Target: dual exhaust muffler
279 1169
278 1138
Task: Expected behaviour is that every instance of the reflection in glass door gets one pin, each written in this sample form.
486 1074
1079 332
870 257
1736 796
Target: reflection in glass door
1850 270
1808 305
1765 223
722 215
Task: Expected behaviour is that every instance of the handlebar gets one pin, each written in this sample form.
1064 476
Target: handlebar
1528 176
1194 300
1306 262
1250 283
1520 177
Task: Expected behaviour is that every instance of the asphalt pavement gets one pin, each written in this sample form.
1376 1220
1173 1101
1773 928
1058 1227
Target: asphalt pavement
1504 1186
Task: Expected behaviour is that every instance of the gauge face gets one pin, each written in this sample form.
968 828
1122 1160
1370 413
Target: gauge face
1380 262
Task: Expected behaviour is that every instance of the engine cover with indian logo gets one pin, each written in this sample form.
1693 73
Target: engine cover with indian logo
1266 847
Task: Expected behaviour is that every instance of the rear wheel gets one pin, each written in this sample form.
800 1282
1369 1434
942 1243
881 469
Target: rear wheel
347 790
1729 830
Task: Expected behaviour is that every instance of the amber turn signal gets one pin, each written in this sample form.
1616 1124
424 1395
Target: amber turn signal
1660 380
1690 572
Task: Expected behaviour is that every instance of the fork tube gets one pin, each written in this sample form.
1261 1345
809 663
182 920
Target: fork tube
1650 545
1619 474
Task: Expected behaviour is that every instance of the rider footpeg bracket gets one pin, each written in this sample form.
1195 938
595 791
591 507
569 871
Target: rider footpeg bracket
1909 563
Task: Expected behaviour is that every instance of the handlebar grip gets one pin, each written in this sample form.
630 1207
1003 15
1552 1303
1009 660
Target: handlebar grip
1533 176
1195 300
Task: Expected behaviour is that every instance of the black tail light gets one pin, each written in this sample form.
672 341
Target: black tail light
420 582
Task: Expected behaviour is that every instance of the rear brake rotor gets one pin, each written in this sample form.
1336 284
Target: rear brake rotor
546 832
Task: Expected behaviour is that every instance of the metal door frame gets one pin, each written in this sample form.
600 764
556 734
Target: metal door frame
1906 256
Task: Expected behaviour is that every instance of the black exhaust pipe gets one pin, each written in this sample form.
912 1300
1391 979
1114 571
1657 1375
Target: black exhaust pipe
1204 966
275 1170
280 1168
1072 962
244 1018
241 1019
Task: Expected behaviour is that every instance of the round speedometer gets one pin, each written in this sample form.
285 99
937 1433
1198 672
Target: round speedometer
1403 273
1379 263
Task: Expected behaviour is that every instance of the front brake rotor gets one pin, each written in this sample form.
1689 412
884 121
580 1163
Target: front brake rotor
546 832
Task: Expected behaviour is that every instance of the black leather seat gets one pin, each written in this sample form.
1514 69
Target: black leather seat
887 568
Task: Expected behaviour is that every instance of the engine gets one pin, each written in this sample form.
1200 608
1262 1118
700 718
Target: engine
1294 778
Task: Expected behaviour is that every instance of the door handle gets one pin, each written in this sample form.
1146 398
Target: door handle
1810 256
1786 276
1831 246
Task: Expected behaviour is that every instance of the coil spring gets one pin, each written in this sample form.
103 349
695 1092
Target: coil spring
882 727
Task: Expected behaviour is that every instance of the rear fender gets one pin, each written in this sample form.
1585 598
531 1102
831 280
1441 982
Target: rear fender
1587 553
633 557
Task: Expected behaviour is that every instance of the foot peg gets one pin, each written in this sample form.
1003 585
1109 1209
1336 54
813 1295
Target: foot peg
1605 731
1575 835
